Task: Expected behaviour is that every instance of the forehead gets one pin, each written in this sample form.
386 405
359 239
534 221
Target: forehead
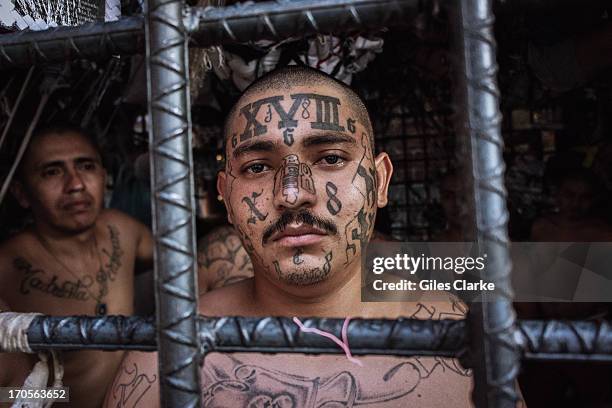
58 147
324 106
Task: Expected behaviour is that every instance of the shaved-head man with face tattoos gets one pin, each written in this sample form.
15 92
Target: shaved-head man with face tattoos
302 187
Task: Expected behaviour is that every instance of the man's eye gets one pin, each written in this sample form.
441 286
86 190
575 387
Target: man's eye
50 172
89 166
256 168
332 159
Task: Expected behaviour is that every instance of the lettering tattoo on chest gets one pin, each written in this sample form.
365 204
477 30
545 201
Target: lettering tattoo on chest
113 264
38 280
327 116
78 286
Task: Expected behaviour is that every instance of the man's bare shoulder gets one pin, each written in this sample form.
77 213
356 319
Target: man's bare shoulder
119 218
231 300
19 245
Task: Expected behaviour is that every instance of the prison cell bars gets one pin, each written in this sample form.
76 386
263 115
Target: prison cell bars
540 340
494 354
176 295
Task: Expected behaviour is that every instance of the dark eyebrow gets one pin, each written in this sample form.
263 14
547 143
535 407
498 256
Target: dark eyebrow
51 164
327 139
78 160
263 146
86 159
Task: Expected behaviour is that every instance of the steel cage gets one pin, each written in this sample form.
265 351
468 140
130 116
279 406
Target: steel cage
489 340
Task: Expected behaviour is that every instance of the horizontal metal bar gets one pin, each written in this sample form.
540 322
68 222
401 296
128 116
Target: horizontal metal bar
208 26
540 340
96 41
557 340
283 19
84 332
399 337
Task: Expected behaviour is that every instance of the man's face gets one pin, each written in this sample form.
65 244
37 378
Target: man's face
300 183
62 182
575 199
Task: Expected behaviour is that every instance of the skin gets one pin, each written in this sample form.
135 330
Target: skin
222 260
75 255
315 274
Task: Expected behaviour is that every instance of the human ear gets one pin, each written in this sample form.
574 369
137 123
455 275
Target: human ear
384 170
18 191
221 178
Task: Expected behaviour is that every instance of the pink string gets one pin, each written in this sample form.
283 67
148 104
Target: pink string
343 344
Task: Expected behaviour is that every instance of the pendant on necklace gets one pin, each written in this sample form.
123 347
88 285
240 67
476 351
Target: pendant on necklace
101 309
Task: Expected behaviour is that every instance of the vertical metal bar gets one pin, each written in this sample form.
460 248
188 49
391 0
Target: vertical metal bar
173 204
494 355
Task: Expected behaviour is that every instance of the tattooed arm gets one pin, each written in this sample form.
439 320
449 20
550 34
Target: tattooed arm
222 259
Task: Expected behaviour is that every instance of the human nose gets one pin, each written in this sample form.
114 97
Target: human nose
74 181
294 185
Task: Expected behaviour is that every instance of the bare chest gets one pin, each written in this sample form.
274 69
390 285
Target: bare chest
41 283
283 381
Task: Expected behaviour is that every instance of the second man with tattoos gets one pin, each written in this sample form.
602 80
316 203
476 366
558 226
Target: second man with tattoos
302 187
76 258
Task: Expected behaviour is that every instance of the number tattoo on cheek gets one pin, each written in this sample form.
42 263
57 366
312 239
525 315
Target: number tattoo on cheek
334 205
255 213
291 176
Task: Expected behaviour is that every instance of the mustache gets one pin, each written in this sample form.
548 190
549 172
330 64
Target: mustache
303 217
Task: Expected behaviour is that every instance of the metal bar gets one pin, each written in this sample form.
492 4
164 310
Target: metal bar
172 204
96 41
493 351
100 333
554 340
211 26
279 20
540 339
399 337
